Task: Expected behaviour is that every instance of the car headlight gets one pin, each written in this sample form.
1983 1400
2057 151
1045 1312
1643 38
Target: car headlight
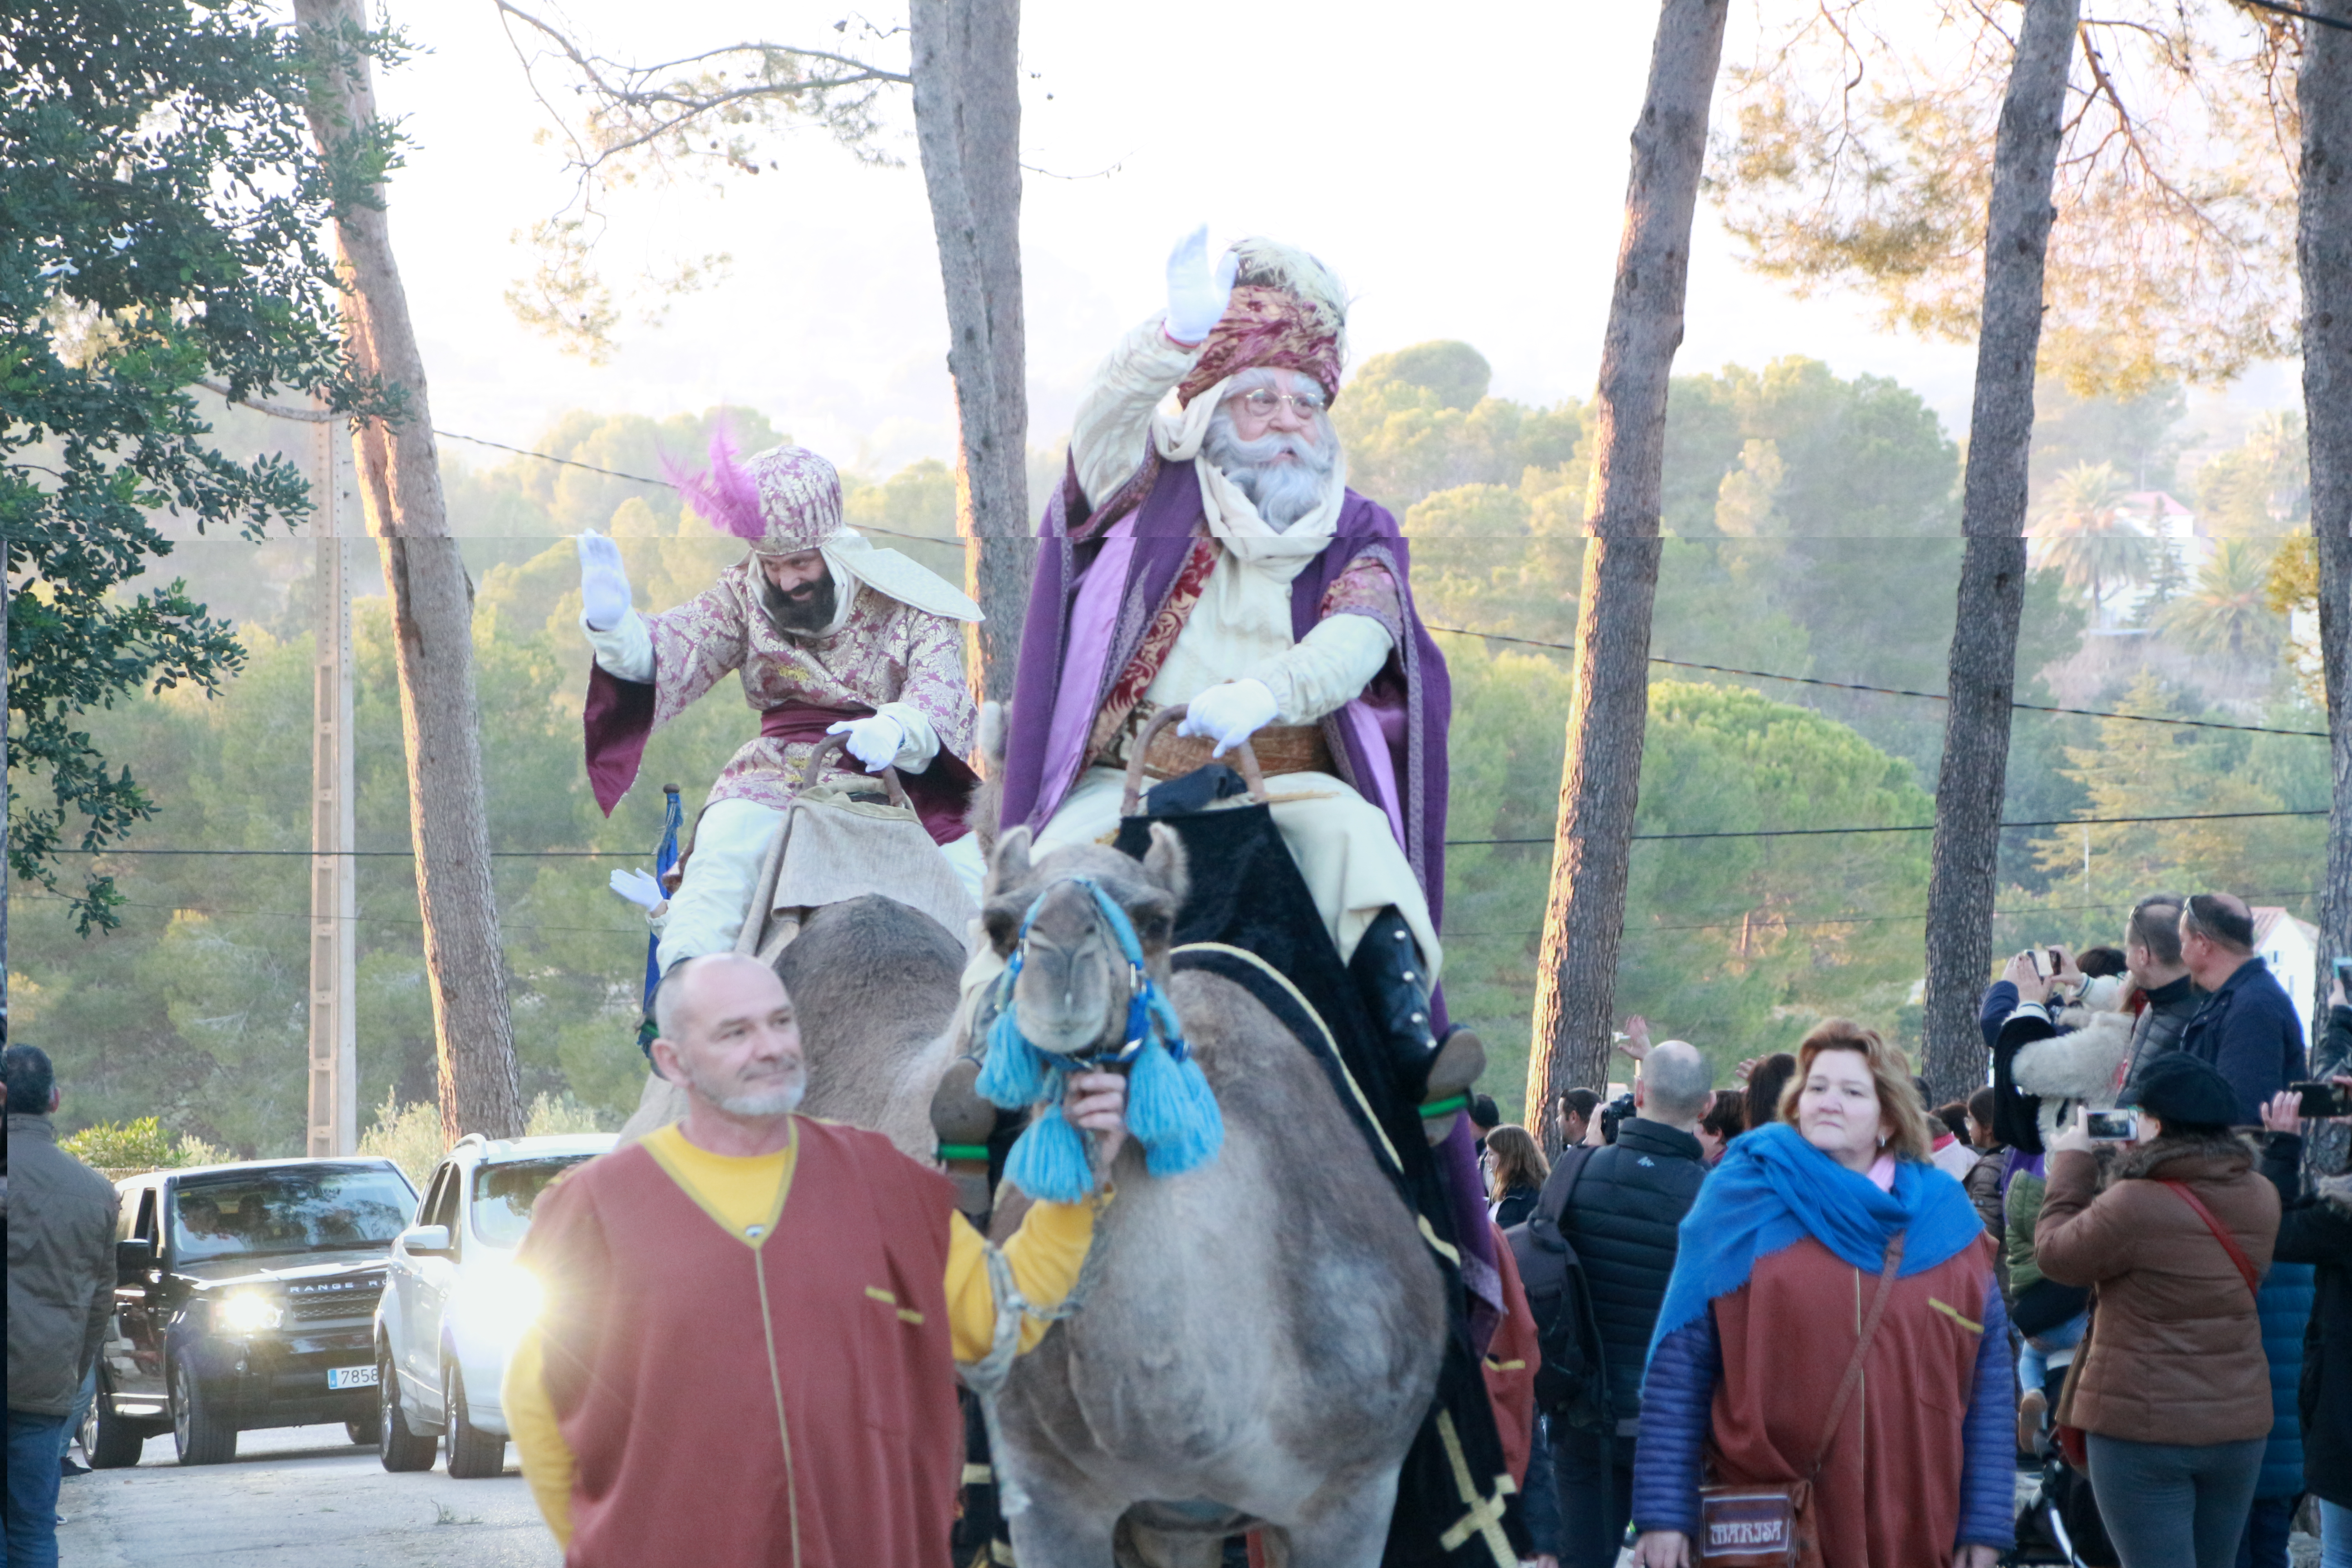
501 1299
250 1314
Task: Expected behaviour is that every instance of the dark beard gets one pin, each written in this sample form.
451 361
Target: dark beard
805 612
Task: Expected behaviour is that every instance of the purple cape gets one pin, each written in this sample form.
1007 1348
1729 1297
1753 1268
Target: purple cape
1389 742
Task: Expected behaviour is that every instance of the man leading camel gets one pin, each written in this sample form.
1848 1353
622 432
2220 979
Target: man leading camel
746 1350
1212 554
831 635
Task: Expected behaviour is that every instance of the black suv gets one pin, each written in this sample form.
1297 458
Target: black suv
246 1297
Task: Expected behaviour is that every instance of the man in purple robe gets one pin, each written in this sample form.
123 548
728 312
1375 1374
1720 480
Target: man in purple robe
831 637
1209 552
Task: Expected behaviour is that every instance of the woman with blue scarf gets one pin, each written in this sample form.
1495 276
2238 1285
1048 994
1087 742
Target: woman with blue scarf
1781 1260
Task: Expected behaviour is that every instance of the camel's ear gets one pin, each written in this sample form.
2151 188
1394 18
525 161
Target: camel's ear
1010 867
1164 862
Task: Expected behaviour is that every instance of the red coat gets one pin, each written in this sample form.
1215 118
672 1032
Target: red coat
1889 1494
734 1405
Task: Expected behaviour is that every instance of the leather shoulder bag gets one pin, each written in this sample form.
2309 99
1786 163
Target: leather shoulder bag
1763 1524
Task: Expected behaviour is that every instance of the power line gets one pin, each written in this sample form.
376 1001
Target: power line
2294 11
1902 692
1921 827
1632 931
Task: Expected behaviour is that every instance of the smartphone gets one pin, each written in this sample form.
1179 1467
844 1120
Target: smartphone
2111 1126
2057 958
2323 1099
2041 965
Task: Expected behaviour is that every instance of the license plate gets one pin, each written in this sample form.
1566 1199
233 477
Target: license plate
351 1376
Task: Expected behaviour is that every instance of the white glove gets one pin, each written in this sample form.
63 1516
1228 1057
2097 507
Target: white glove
603 585
874 740
640 888
1230 713
1197 296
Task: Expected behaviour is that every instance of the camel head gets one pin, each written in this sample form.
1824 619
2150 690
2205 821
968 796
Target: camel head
1075 985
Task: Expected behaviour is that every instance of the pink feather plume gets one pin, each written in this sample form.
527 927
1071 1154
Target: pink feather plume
725 494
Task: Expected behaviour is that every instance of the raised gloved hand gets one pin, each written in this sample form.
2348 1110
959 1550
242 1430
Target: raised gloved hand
603 585
640 888
874 740
1197 296
1229 713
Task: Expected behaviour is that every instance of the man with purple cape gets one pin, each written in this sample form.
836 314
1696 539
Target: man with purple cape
1205 550
830 635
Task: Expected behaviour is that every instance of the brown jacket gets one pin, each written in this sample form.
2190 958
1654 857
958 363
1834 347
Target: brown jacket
2176 1348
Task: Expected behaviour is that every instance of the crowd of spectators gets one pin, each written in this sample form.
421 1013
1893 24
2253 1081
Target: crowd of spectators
2118 1269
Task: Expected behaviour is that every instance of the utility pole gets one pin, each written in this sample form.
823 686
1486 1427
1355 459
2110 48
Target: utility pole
334 891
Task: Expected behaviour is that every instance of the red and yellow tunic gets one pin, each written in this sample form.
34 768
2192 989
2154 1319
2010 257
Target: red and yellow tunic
721 1376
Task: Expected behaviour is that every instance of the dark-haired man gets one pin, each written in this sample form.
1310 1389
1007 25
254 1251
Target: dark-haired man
2247 1029
60 1294
2152 957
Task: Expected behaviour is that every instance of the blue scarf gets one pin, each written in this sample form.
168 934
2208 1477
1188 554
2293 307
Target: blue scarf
1773 1189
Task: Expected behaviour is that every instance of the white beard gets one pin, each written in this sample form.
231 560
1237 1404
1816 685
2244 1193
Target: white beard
1282 492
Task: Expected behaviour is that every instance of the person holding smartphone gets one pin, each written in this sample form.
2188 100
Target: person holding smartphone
2171 1385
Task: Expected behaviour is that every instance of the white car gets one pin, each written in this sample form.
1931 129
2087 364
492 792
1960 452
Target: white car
455 1300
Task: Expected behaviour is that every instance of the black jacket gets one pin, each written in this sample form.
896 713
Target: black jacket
1622 1222
1514 1206
2250 1033
2157 1029
2318 1228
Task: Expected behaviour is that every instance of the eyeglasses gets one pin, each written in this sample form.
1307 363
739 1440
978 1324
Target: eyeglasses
1264 402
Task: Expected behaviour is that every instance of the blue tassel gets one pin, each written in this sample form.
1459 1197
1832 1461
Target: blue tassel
1014 1076
1049 1160
1172 1112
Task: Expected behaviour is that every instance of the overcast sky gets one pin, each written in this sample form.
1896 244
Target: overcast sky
1465 184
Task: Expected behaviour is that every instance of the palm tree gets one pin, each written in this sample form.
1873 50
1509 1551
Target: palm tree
2083 532
2230 607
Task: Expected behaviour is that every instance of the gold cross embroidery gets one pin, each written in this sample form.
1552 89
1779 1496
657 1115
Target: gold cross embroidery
1485 1518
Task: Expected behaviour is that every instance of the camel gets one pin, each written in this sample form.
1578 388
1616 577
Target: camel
1259 1339
874 985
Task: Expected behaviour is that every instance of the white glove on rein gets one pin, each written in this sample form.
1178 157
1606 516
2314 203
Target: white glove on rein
874 740
1229 713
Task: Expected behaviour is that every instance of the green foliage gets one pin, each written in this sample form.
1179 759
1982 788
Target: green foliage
2154 770
2085 537
409 1136
1737 944
2228 615
140 1145
2262 487
1419 420
166 212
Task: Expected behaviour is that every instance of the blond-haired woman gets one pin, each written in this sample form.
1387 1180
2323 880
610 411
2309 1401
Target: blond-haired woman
1782 1264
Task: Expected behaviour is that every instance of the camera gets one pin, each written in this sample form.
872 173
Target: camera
2111 1126
1615 1111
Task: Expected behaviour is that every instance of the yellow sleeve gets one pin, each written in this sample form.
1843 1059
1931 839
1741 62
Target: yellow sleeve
1045 1253
547 1462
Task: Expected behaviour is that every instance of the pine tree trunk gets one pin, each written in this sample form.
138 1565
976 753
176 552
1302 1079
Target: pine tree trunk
431 619
2324 244
1984 678
1601 781
968 126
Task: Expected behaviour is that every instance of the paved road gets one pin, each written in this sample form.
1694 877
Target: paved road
299 1497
